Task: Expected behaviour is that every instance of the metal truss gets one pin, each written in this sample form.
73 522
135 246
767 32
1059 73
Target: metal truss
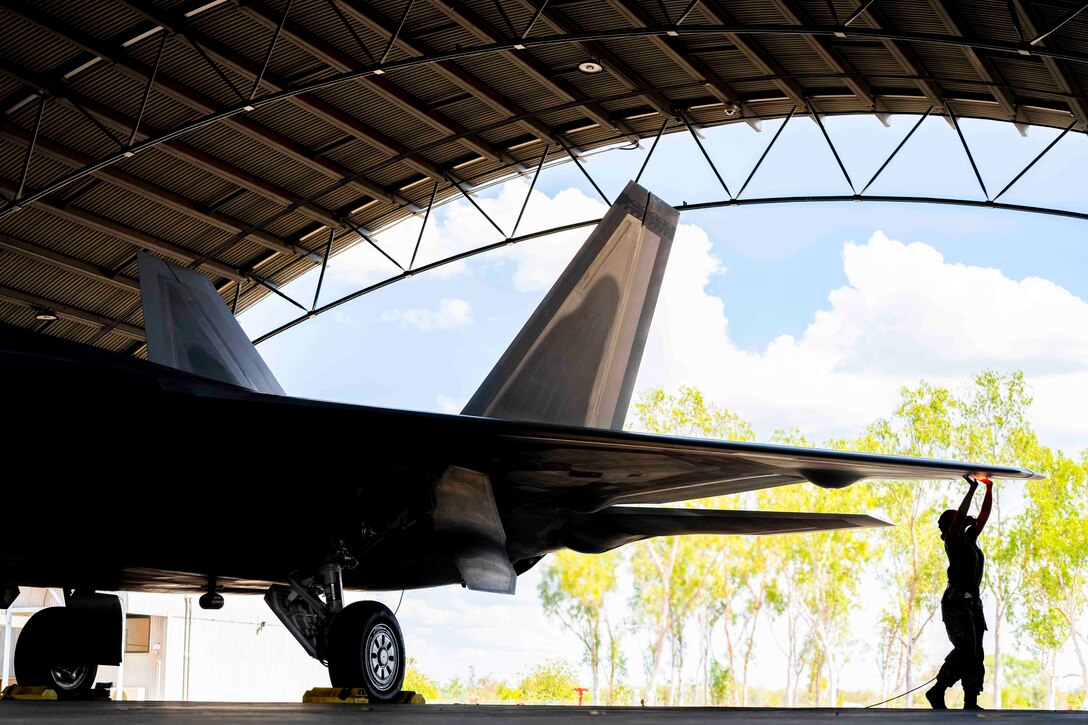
131 136
730 201
248 104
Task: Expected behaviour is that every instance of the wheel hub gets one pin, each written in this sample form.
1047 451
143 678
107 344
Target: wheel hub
381 656
70 677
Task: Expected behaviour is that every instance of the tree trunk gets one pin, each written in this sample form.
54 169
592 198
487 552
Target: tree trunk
1050 690
997 658
596 664
1083 665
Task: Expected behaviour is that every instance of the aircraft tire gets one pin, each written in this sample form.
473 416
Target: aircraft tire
37 659
366 649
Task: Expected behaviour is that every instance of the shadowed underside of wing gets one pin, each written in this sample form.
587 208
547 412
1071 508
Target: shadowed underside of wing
589 472
599 532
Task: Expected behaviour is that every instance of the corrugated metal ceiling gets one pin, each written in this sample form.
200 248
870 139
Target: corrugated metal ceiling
247 169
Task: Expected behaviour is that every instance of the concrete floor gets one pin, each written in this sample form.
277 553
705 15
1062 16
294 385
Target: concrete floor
17 713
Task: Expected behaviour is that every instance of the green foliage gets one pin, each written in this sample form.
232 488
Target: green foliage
711 594
417 681
1025 683
552 681
721 683
573 590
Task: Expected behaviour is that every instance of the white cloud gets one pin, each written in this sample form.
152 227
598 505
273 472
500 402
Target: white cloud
459 226
904 314
451 314
450 404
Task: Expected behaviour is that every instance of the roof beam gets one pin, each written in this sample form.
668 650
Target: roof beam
74 314
839 63
365 13
187 96
460 13
177 149
613 64
956 24
251 70
331 56
70 157
755 52
693 65
1059 71
127 234
70 264
906 57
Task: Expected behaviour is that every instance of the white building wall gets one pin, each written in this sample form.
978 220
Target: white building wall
239 653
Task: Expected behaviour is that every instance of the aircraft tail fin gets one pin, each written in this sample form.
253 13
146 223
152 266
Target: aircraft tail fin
189 328
576 359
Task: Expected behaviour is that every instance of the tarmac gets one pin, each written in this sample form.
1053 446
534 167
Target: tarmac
176 713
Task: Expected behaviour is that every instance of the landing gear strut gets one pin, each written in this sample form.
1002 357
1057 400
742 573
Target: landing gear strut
62 647
361 643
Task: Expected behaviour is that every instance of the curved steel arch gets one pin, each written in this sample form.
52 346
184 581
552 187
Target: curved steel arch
514 45
837 198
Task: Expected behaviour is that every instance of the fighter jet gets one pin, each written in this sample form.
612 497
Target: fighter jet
192 471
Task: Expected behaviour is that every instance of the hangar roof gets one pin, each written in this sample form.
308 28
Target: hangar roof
247 138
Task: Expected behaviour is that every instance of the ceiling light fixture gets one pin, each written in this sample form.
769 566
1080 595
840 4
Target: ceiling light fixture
590 67
45 315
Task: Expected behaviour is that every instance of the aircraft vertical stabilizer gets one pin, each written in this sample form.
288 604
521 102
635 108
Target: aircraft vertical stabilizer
189 328
575 360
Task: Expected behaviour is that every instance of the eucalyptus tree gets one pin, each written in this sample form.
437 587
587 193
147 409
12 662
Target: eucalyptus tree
1052 544
675 576
911 554
993 428
573 590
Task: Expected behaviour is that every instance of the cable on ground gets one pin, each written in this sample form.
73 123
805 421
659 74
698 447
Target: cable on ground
878 704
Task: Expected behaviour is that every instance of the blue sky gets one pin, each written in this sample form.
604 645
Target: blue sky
777 264
792 314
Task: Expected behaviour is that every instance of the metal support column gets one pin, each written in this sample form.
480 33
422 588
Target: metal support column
8 623
30 148
653 146
532 20
706 156
1035 160
147 89
475 204
901 144
351 29
765 152
366 238
1065 19
967 150
272 288
324 263
687 11
430 205
830 145
396 33
532 184
268 55
859 12
583 170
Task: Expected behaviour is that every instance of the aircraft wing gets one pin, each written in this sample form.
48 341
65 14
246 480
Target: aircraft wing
588 470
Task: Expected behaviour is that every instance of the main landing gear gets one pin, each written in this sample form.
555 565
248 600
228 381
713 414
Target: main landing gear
361 643
62 647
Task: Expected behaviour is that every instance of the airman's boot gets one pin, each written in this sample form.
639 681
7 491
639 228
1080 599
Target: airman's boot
935 695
